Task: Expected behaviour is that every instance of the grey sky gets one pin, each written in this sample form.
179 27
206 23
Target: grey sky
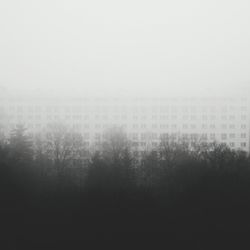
125 45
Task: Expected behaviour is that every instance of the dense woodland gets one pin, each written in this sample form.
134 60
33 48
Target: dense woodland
55 193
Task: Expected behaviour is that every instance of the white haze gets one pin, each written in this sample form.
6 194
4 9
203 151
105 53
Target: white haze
125 46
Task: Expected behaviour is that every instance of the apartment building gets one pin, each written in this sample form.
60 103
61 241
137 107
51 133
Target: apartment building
144 119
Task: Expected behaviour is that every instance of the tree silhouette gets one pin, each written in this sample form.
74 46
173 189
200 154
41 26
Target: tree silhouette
20 160
113 165
149 170
21 146
63 146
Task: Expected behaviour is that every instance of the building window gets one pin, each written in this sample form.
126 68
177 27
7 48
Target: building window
76 126
143 136
86 135
30 109
212 136
204 136
77 117
185 136
164 135
38 109
243 126
204 126
163 126
224 109
204 109
212 109
232 136
97 136
163 117
194 136
223 136
154 135
135 136
174 126
19 109
154 125
243 135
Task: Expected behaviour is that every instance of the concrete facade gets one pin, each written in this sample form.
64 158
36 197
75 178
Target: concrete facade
144 119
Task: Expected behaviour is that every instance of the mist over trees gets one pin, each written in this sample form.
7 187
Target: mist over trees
113 165
179 185
174 164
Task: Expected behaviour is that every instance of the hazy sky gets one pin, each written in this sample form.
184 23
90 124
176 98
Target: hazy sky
125 45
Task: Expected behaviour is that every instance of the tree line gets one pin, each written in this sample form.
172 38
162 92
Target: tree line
177 186
175 164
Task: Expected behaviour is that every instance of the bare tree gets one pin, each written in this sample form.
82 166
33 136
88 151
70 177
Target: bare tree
21 145
64 146
113 165
172 149
115 144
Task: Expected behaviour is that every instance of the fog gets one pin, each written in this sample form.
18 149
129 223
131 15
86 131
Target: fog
124 121
125 47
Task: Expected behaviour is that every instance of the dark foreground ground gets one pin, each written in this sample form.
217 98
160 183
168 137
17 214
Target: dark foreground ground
173 198
133 219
